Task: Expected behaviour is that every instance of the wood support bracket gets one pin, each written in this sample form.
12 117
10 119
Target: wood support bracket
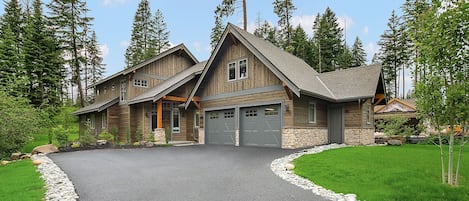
175 98
287 90
378 98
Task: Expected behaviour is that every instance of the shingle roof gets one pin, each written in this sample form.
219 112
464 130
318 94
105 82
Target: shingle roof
148 61
96 107
170 84
352 83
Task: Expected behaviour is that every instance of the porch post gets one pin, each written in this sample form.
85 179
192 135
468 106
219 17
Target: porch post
159 113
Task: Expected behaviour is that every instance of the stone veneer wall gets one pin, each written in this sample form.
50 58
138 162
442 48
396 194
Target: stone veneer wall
293 138
159 135
201 136
359 136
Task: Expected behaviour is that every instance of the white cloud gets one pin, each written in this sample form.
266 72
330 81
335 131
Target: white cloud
365 30
345 22
306 22
124 44
371 49
113 2
104 50
199 47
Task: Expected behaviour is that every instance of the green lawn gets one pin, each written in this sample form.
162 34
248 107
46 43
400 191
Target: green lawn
42 139
20 181
409 172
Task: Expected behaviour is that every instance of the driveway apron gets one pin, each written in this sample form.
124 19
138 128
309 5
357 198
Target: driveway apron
193 173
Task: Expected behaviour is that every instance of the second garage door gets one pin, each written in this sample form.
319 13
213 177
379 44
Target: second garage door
260 126
220 127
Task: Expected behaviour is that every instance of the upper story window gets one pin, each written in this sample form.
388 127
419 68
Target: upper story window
231 71
238 70
123 96
312 112
140 83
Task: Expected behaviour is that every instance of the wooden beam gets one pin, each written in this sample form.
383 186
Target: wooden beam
233 39
287 90
175 98
159 113
196 98
380 98
197 105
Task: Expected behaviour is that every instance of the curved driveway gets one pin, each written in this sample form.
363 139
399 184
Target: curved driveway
193 173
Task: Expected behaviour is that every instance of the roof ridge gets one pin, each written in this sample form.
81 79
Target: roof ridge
325 86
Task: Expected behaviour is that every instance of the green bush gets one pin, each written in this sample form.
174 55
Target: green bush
127 135
61 135
139 134
395 125
115 134
18 121
87 138
167 134
105 135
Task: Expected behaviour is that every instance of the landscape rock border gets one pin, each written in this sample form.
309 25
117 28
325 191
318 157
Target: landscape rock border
278 166
58 185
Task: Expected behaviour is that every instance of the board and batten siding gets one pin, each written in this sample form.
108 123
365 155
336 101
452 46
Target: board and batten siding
355 114
301 112
258 74
108 90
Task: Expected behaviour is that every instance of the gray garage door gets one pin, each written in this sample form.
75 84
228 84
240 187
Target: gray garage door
220 127
260 126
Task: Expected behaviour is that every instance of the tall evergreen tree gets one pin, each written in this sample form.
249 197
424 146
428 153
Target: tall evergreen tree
140 47
95 59
358 53
13 18
42 60
328 38
217 31
161 34
391 56
345 58
284 10
69 19
267 32
300 44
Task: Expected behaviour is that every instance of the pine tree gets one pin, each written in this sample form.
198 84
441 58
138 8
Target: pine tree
161 36
140 47
345 58
69 19
217 31
267 32
300 44
42 59
328 37
391 49
95 67
13 18
284 10
358 53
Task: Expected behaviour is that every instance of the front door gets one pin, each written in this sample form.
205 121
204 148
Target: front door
335 123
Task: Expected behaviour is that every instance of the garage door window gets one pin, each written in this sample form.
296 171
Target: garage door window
214 115
229 115
270 111
251 113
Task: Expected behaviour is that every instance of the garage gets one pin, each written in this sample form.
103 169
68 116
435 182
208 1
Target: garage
220 127
261 126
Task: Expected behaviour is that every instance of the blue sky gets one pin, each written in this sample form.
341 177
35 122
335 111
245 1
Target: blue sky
190 22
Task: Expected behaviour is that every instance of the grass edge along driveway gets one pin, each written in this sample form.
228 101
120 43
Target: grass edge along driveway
20 181
409 172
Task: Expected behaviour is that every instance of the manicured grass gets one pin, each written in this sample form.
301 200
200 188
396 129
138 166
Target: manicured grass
42 139
20 181
409 172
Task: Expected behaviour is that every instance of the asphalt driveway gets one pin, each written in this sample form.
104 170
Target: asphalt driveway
194 173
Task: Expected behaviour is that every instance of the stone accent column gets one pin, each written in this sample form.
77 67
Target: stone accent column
201 136
237 138
359 136
160 137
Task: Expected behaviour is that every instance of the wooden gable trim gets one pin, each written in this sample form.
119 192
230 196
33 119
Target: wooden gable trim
378 98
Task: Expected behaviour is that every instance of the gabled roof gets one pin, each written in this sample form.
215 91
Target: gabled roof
397 105
96 107
170 84
180 47
352 83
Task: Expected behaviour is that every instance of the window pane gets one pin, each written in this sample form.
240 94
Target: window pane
232 71
271 111
312 112
243 69
196 119
176 121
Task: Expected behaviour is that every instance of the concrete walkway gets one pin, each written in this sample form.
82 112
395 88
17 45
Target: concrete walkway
196 173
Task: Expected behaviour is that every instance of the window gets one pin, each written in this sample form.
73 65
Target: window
175 122
97 92
243 69
368 114
196 119
238 70
140 83
214 115
103 120
113 87
312 112
154 116
229 115
92 121
123 91
270 111
250 113
231 71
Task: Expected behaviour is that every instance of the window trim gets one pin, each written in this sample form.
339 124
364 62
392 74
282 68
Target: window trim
311 103
197 119
103 120
172 120
239 69
140 83
123 91
228 71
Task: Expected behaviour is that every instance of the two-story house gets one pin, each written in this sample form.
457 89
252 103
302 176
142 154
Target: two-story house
248 93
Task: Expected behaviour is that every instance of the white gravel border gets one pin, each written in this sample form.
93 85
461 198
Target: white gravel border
278 167
59 187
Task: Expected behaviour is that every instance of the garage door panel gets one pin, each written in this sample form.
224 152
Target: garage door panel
260 126
220 127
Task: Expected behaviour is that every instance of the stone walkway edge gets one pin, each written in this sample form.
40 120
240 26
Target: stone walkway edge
58 185
278 167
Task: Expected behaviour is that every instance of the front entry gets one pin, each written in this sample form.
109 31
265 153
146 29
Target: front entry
335 123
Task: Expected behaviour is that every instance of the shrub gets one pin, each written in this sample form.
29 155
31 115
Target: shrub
115 134
105 135
87 138
395 125
61 135
139 134
127 135
167 134
18 121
